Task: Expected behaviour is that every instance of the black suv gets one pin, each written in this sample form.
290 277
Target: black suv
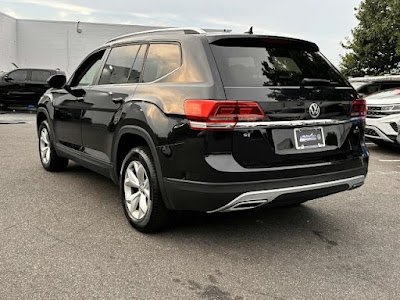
24 87
214 122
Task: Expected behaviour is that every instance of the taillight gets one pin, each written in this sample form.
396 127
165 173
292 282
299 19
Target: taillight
221 115
359 108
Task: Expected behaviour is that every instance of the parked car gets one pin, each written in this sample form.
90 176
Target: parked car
383 117
212 122
24 87
398 135
365 88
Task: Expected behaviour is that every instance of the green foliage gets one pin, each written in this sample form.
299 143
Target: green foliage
375 46
398 44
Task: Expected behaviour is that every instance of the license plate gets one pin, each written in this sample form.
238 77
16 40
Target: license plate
308 138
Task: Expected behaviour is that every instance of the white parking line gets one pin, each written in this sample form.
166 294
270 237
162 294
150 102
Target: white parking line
390 160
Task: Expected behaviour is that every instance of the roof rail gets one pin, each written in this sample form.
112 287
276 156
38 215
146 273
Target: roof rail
186 30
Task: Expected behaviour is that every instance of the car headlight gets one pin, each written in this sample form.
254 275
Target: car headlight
391 108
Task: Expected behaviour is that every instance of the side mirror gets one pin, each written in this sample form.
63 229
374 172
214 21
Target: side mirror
57 81
8 78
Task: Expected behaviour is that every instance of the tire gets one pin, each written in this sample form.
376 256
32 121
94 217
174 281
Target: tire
48 156
140 193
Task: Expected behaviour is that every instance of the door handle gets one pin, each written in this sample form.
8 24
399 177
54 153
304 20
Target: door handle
117 100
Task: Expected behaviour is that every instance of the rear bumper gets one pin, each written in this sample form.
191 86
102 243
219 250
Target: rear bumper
215 197
303 192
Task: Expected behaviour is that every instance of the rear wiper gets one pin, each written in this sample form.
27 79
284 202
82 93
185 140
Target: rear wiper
317 82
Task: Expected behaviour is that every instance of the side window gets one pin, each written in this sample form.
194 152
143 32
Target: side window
119 63
87 71
40 76
372 89
18 75
389 85
138 65
369 89
88 78
161 60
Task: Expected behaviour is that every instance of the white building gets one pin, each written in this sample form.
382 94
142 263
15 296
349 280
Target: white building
53 44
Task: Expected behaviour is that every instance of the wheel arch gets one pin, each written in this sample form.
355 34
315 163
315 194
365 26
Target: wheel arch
41 115
131 136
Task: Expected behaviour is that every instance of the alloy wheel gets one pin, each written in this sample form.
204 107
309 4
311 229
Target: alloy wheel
45 146
137 190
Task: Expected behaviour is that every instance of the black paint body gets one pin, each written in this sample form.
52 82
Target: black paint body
204 170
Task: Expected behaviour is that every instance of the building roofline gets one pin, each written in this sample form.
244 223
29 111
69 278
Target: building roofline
8 16
92 23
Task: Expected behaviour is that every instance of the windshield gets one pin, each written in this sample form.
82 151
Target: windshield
358 84
272 64
393 94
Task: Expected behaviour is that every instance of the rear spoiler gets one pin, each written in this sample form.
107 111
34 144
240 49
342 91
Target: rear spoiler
260 41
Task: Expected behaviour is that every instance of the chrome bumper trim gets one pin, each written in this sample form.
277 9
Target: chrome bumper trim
255 199
278 124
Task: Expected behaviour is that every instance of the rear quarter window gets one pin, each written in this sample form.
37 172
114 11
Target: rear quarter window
162 59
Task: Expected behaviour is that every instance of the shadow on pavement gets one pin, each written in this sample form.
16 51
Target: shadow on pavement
388 149
251 222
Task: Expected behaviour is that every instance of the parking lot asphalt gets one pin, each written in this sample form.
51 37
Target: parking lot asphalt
64 236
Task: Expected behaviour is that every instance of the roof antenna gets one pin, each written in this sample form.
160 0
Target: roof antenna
250 30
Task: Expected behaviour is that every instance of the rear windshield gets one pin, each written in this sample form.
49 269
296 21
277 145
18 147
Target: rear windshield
256 63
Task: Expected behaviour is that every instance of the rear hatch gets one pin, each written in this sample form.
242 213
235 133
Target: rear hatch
306 101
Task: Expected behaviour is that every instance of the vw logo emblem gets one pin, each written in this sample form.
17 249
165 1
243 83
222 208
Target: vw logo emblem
314 110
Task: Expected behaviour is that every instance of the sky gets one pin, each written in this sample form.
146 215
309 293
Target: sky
325 22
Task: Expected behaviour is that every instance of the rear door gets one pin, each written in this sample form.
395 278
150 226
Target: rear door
303 97
101 107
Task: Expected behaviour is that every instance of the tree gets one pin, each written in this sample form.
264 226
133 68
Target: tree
398 44
375 46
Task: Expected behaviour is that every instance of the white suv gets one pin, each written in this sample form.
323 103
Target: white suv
383 117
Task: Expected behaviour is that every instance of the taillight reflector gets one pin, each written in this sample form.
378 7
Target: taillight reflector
221 115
